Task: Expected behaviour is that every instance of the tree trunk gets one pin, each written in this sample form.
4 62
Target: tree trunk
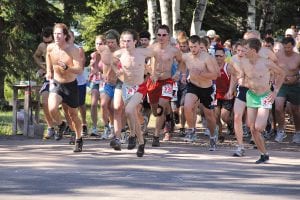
2 81
152 17
198 16
67 13
2 73
165 13
251 15
175 15
268 10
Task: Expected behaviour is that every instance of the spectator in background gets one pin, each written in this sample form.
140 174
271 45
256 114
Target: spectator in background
145 38
269 34
290 33
211 35
268 43
96 82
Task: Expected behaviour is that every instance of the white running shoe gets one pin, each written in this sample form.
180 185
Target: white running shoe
105 133
239 152
94 131
280 136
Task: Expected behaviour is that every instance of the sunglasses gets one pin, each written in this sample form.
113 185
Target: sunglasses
219 56
163 35
99 43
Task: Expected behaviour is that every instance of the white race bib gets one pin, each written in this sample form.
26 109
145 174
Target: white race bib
266 104
128 91
167 90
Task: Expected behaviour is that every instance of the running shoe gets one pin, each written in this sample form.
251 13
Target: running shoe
94 131
155 142
212 144
131 142
182 132
190 135
78 145
50 133
141 149
84 130
239 152
280 136
105 133
61 129
115 144
264 158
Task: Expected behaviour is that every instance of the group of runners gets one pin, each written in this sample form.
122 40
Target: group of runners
174 79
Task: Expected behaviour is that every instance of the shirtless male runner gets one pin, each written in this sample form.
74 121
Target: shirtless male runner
39 57
256 72
110 79
63 64
202 71
240 101
239 106
160 84
290 89
134 87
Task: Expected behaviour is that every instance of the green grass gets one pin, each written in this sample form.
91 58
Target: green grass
5 122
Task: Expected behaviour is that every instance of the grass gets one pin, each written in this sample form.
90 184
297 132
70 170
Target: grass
5 122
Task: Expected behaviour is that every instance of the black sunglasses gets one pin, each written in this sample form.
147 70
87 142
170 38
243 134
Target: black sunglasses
219 55
158 34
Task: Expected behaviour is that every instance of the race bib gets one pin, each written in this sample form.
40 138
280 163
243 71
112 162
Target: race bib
265 103
175 86
167 90
128 91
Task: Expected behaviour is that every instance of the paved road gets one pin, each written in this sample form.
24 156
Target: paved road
35 169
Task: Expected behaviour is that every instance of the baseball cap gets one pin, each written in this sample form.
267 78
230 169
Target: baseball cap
211 33
289 31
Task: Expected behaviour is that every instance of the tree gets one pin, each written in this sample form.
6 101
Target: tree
175 16
198 16
152 17
251 15
165 13
21 22
267 8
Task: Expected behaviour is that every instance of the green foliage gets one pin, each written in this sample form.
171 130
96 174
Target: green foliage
118 14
